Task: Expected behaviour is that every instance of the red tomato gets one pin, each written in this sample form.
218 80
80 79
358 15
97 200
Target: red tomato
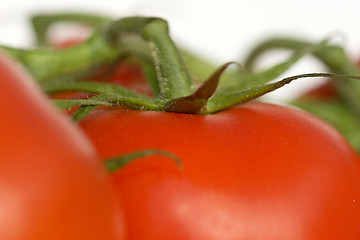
52 183
256 171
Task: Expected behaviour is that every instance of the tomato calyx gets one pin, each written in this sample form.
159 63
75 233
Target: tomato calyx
148 39
197 102
201 102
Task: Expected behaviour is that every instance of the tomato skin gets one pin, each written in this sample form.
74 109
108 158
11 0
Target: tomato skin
257 171
52 183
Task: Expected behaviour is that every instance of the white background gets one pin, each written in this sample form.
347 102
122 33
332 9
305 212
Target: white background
221 31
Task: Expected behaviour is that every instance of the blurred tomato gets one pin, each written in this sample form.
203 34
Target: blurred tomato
52 184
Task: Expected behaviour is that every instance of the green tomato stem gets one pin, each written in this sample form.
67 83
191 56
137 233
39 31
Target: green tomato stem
116 163
42 22
45 64
334 57
106 44
173 77
172 73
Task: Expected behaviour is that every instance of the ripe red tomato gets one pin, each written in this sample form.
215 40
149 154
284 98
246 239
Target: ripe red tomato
256 171
52 183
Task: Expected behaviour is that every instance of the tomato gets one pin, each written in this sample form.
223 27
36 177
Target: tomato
52 183
255 171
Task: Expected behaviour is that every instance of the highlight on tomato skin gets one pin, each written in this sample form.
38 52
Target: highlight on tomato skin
52 183
256 171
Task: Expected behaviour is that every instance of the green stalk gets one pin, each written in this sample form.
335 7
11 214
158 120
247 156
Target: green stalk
334 57
42 22
106 44
173 77
45 64
115 163
172 73
149 39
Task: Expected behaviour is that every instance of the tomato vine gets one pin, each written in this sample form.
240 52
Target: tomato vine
57 70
